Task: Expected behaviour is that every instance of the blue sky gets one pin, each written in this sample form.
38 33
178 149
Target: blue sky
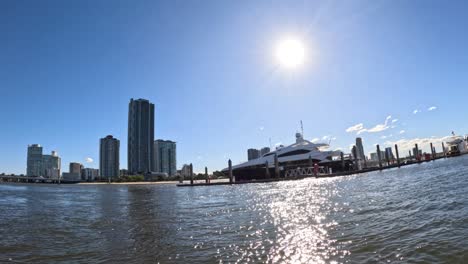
69 68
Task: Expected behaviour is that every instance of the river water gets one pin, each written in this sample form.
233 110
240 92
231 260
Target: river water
418 213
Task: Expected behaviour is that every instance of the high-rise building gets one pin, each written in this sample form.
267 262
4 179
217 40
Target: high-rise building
360 149
264 151
253 154
389 154
51 165
109 155
165 157
88 174
140 136
75 167
34 160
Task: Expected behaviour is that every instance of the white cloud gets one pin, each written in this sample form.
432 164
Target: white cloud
380 127
416 111
432 108
383 137
404 145
354 128
395 120
402 131
362 131
261 128
89 160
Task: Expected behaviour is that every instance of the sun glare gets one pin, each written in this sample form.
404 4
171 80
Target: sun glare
290 53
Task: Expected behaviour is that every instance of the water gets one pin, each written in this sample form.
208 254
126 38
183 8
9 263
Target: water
414 214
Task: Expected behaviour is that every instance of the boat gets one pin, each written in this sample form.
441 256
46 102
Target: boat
302 153
455 145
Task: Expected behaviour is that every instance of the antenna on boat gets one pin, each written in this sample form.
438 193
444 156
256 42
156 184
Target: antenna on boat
270 143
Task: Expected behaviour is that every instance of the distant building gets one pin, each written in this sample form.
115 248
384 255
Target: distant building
389 154
264 151
185 171
375 157
253 154
71 177
34 160
140 136
360 149
51 165
88 174
165 157
75 167
109 155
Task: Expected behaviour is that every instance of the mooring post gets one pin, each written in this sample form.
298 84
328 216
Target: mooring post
443 148
397 155
432 152
206 174
277 172
356 161
379 156
342 161
418 158
230 171
191 173
310 162
267 170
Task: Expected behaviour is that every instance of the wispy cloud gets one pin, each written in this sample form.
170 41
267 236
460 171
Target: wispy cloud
416 111
380 127
355 128
432 108
261 128
395 120
423 143
89 160
402 131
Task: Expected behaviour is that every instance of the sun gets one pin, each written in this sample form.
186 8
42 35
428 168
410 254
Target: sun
290 53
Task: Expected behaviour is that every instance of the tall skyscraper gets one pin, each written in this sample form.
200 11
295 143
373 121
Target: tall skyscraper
51 165
140 136
389 154
253 154
165 157
264 151
75 167
34 160
360 149
109 155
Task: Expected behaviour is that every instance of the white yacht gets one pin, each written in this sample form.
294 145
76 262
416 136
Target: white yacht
299 154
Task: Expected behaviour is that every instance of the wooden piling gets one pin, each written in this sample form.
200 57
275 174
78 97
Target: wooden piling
277 172
206 174
379 156
443 149
311 164
267 170
355 160
191 173
432 152
342 161
418 158
397 155
230 171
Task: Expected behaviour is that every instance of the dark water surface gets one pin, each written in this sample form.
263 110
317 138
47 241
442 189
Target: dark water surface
414 214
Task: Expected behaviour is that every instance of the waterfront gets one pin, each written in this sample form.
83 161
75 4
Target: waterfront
418 213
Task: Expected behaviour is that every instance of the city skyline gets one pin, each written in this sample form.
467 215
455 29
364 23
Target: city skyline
52 75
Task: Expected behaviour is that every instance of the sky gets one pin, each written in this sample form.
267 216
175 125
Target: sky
387 71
